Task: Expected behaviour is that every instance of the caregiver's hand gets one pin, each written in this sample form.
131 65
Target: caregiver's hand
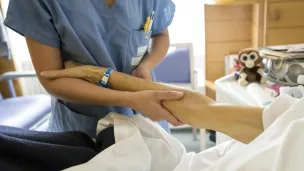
148 103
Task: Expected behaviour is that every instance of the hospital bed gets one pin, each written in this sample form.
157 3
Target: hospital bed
228 91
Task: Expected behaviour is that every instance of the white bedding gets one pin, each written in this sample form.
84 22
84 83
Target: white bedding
142 145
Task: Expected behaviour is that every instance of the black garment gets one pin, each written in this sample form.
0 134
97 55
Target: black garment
105 138
212 136
25 150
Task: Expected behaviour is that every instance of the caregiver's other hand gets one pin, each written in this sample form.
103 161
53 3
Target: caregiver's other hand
142 72
148 103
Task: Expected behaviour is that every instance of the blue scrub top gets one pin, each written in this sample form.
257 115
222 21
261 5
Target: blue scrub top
89 32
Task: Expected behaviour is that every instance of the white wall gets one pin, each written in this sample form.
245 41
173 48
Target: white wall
189 26
18 44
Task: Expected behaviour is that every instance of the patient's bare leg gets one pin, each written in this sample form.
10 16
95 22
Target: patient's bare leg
240 122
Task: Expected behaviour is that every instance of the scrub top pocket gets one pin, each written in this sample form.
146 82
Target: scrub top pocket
138 46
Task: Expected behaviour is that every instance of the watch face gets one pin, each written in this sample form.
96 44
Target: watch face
295 93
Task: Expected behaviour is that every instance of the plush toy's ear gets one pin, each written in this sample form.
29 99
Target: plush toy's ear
235 61
261 64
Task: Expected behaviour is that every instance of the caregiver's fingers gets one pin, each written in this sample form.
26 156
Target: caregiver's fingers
166 115
169 95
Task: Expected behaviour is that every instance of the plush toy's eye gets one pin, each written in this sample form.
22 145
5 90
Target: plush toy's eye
253 56
244 58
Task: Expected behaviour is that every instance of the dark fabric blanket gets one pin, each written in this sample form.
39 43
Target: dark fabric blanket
25 150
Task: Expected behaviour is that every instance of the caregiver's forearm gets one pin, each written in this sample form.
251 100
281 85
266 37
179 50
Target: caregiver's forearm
81 92
159 48
73 90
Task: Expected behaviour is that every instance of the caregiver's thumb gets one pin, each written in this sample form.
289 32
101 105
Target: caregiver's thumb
169 95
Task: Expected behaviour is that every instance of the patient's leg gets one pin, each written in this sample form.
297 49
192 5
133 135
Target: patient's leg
239 122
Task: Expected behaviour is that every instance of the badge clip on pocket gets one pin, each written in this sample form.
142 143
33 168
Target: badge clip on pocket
148 34
148 25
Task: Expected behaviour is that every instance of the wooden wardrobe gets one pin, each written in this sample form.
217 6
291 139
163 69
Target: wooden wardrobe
232 25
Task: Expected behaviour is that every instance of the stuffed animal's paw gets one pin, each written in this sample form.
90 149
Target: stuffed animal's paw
263 80
243 82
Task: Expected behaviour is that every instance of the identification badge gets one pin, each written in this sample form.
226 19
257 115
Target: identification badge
141 51
136 61
140 54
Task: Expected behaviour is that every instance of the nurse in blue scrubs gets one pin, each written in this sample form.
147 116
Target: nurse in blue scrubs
107 33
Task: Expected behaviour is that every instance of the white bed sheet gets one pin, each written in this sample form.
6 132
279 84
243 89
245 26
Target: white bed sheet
142 145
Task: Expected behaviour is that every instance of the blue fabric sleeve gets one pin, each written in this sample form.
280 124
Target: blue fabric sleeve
33 19
164 15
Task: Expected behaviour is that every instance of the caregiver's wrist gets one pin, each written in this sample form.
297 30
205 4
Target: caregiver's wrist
123 99
130 100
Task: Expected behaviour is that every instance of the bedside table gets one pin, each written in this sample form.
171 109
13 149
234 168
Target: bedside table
228 91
